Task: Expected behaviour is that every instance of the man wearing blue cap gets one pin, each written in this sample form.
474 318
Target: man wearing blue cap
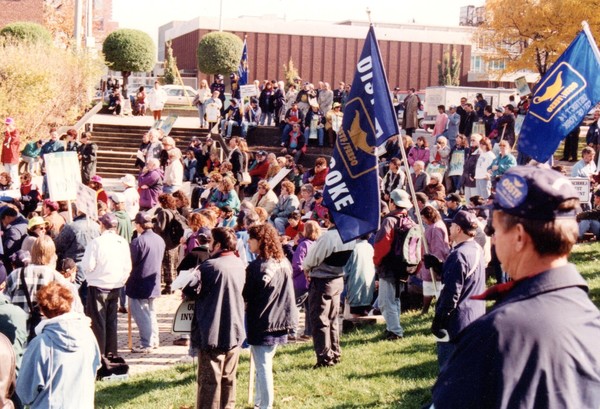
538 347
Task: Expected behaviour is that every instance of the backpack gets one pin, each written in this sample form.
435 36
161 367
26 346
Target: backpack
174 230
405 254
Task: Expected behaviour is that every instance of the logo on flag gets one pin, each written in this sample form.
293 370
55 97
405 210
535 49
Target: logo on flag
561 85
351 189
563 98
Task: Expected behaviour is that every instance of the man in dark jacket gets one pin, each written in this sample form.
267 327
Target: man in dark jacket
538 347
143 284
14 231
220 321
463 275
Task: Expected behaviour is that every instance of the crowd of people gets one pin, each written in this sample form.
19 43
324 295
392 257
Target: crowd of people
257 252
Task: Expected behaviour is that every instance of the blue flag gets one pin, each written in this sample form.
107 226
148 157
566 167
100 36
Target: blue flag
562 99
352 188
243 69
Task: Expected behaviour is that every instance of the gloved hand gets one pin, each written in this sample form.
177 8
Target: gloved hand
433 263
438 326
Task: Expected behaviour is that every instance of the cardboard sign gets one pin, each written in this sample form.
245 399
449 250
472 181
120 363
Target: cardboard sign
248 91
213 112
522 86
165 124
87 201
63 174
582 185
182 322
278 177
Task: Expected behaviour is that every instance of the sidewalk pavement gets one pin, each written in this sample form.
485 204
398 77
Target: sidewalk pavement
167 354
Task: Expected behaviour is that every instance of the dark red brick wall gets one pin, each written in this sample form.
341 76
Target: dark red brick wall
21 10
320 58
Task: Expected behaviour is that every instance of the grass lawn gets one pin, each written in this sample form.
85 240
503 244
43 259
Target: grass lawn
373 373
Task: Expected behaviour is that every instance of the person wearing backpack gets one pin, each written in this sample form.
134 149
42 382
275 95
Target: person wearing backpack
170 225
463 276
394 261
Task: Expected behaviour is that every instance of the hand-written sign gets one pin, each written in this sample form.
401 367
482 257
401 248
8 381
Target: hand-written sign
248 91
182 322
63 174
87 201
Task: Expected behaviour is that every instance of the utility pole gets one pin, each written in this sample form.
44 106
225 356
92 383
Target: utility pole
221 15
77 25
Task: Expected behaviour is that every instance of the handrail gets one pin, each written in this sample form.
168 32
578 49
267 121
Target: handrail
84 119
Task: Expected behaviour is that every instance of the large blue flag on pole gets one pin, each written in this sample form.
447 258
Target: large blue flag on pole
352 189
563 97
243 69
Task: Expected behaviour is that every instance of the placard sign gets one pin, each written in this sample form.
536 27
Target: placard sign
86 201
278 177
63 174
248 90
582 185
182 322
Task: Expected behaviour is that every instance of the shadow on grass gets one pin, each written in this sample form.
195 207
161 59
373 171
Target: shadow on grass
117 394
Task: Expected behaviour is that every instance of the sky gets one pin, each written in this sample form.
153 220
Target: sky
148 15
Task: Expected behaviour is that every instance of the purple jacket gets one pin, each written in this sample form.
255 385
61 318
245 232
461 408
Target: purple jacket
154 180
300 283
416 154
147 251
436 236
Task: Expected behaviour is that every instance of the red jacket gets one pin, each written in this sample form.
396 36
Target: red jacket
10 147
260 169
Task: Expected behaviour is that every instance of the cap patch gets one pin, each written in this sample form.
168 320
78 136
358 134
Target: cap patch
511 192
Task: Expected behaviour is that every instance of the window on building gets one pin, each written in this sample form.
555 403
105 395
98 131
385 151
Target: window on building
477 63
497 65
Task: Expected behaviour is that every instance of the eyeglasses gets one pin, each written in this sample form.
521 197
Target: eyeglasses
40 228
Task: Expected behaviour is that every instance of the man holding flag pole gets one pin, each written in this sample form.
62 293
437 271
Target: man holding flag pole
351 191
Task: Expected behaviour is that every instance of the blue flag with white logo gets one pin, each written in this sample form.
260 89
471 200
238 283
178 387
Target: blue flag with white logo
562 99
243 69
352 188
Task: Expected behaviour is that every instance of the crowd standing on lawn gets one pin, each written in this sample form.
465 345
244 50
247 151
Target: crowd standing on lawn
256 254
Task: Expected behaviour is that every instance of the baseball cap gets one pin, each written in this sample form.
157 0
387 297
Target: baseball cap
534 193
51 204
97 179
219 76
453 197
204 235
467 221
9 121
261 153
142 218
108 220
500 110
117 197
396 88
401 198
336 104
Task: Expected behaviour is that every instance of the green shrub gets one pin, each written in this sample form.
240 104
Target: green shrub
26 31
219 53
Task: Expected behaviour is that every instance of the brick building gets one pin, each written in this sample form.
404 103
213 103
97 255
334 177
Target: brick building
325 51
21 10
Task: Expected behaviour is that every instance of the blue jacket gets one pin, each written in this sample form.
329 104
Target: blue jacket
271 303
59 366
462 278
537 348
147 251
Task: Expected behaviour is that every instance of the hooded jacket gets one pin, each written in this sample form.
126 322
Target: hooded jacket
13 324
7 373
59 366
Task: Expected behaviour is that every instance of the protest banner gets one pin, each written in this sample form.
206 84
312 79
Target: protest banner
63 174
86 201
582 185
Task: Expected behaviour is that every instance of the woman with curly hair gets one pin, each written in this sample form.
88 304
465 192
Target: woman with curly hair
271 309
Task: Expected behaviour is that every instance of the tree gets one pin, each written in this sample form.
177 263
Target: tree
170 65
43 86
58 19
128 51
533 33
23 31
449 69
219 53
290 72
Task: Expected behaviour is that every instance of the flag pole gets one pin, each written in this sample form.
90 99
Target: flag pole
590 37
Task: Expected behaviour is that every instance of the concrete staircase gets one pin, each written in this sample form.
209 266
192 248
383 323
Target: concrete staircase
118 144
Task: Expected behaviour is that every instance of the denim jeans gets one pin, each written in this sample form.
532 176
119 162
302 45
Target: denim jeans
320 135
280 224
201 113
229 124
122 298
264 395
444 352
286 131
389 305
266 117
589 225
246 126
144 315
484 187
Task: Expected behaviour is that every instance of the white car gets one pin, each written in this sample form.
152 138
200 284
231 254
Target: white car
179 95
